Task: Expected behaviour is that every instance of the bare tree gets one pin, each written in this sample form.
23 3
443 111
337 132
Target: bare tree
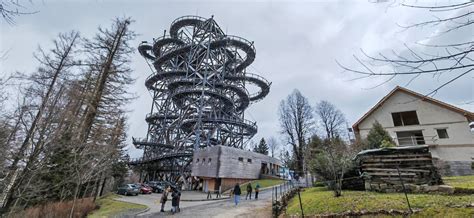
296 122
54 64
273 145
331 158
452 60
10 9
109 58
71 129
330 119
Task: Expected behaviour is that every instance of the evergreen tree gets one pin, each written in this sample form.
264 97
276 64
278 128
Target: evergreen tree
262 147
288 160
376 135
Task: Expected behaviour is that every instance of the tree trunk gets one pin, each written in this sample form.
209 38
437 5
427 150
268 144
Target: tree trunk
26 142
76 191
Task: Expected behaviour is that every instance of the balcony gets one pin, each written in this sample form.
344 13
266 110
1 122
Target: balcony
413 138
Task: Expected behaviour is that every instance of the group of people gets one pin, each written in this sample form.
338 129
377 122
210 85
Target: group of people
237 192
175 197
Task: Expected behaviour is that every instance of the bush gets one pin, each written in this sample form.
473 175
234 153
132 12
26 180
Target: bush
387 144
58 209
377 135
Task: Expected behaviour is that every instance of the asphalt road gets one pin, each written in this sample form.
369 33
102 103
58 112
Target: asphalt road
224 208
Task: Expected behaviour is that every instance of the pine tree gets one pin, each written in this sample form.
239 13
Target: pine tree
262 147
376 135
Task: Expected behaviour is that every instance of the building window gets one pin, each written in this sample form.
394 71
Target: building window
405 118
241 159
249 160
442 133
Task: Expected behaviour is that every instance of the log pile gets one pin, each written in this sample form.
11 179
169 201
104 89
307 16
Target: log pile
386 169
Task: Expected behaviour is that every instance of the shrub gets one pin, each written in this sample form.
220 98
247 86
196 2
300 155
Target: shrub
377 135
58 209
387 144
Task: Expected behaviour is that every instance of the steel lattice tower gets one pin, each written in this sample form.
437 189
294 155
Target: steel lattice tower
200 91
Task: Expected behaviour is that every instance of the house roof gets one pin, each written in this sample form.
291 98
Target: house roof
469 115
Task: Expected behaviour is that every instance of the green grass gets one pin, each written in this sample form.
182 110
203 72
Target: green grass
460 181
110 207
263 183
319 200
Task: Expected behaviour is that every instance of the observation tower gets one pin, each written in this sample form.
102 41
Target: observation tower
200 89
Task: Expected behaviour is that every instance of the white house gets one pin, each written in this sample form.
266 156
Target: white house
415 119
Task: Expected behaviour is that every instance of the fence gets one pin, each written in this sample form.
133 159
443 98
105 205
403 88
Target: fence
282 193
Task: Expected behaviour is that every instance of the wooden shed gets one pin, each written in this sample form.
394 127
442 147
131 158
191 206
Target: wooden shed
386 169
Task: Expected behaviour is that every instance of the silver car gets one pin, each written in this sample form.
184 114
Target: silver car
128 189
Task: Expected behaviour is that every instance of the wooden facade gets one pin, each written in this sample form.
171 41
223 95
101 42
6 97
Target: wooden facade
225 166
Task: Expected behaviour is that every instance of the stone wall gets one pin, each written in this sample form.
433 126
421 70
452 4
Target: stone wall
411 188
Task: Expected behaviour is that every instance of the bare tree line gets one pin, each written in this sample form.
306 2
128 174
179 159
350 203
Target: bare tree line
299 122
66 136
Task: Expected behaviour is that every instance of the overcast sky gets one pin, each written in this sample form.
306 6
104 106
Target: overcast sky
297 45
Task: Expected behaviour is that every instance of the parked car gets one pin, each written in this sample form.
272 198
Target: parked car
156 186
144 188
167 184
128 189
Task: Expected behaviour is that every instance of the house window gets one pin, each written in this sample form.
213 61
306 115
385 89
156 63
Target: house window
442 133
249 160
405 118
241 159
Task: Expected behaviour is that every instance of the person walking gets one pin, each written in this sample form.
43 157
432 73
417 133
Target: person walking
249 191
257 189
237 193
164 198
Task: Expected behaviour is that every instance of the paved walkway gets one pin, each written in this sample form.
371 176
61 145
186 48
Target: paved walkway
152 201
226 208
216 208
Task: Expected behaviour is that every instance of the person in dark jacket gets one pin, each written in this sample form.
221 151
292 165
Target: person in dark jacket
237 193
174 201
179 199
249 192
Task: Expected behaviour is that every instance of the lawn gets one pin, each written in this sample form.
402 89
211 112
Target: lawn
110 207
320 200
460 181
263 183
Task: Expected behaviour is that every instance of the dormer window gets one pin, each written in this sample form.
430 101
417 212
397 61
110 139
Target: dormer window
405 118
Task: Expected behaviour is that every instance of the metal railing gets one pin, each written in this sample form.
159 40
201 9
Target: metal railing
416 140
281 195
